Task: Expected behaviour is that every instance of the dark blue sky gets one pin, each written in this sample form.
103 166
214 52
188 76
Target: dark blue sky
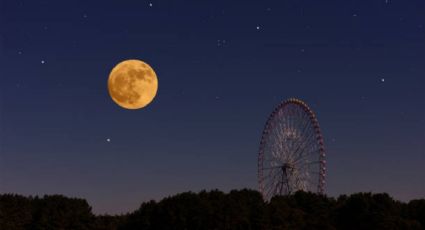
222 68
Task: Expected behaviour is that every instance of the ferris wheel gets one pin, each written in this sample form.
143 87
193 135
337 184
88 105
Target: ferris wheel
292 153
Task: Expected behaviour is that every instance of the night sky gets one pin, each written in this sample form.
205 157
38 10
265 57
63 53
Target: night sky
222 68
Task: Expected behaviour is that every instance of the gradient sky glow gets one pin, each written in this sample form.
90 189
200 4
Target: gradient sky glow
222 68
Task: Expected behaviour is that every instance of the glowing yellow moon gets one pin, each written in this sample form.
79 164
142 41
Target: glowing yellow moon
132 84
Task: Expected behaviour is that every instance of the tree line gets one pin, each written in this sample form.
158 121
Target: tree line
239 209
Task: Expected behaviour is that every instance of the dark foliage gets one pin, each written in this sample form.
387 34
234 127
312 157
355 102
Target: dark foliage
242 209
47 213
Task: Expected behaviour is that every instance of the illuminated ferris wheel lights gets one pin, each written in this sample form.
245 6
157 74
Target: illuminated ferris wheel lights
292 153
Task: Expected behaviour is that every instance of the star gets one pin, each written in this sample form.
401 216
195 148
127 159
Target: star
382 79
108 140
19 52
150 4
258 27
43 62
221 42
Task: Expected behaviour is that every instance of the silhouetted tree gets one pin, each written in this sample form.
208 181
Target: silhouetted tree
15 212
239 209
58 212
367 211
106 222
416 211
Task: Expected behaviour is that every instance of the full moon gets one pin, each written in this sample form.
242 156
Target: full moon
132 84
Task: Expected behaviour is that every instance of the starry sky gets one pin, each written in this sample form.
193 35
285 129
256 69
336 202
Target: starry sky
222 68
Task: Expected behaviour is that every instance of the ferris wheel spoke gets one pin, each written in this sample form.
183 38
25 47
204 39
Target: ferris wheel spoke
285 148
273 159
271 176
274 163
278 154
271 163
308 134
305 147
271 168
307 127
299 146
272 191
304 156
272 184
294 131
303 127
314 173
268 186
303 123
280 136
311 179
308 180
307 168
302 160
277 182
303 177
308 145
311 138
301 183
